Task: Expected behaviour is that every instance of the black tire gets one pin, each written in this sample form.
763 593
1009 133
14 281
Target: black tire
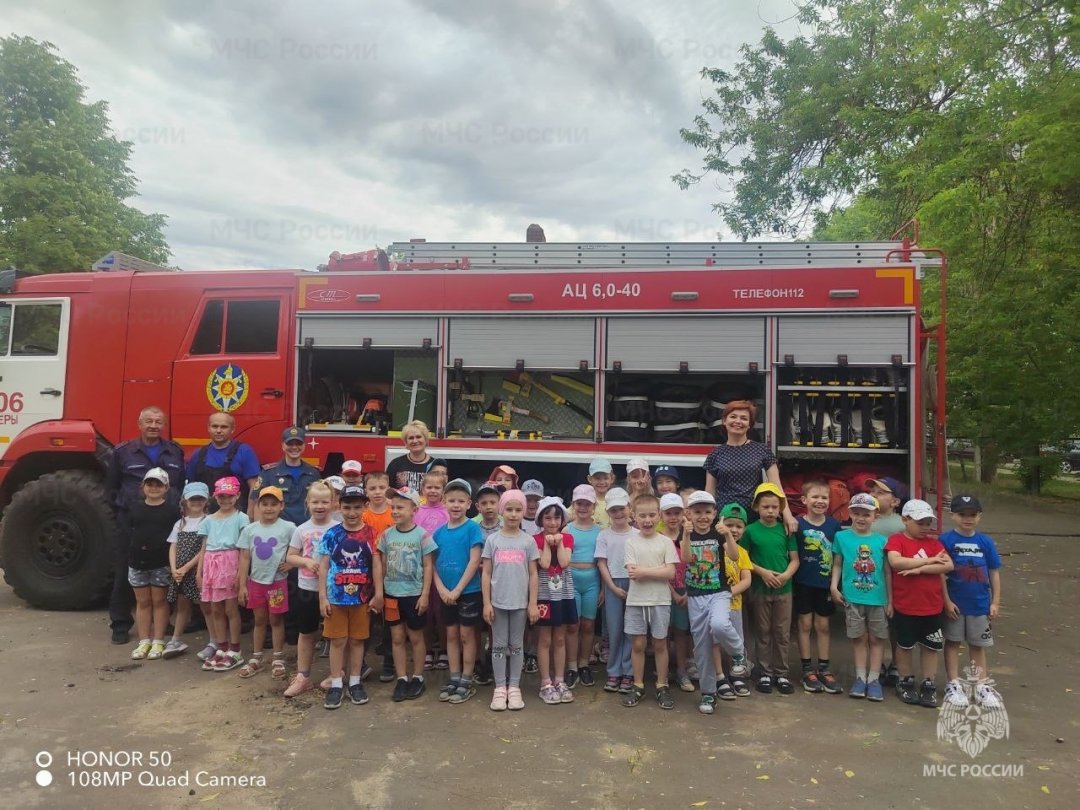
56 539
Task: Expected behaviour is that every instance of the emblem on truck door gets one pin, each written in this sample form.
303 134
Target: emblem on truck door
227 387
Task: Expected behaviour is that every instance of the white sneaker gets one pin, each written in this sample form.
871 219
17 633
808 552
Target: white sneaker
955 695
987 696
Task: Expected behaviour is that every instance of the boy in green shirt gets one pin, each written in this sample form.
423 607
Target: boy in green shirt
775 557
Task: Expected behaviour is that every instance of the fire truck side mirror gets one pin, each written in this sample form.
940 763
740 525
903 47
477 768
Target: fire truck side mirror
753 368
519 365
616 366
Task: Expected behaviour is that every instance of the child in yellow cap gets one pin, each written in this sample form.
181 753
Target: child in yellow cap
775 558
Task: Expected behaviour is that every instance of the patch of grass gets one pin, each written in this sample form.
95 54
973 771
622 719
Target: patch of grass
1060 488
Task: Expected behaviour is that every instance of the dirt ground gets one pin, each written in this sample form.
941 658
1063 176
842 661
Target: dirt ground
68 691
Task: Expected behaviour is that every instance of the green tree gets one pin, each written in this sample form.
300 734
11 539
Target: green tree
64 177
965 115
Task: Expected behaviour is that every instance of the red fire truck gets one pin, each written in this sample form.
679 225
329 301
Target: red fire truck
541 355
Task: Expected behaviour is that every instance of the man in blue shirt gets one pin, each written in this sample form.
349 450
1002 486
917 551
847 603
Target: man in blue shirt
224 456
127 465
291 474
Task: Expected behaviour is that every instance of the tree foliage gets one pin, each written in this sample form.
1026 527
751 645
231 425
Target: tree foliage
965 115
64 177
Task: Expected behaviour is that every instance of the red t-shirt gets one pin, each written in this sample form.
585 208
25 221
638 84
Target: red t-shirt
568 542
916 594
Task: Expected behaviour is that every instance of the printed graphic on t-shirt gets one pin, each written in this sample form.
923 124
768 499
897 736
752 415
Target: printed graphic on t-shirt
264 546
510 555
309 539
349 576
819 550
404 560
968 558
864 568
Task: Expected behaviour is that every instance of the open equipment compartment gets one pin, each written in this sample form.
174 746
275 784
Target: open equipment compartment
528 377
678 408
668 377
369 374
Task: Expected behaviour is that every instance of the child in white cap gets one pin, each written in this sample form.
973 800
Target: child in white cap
611 561
147 527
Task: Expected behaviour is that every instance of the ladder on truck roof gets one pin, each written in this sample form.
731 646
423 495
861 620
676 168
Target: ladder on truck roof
520 255
115 260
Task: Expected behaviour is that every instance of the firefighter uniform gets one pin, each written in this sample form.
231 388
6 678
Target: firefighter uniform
127 466
294 483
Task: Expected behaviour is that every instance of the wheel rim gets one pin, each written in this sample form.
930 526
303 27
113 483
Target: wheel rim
57 545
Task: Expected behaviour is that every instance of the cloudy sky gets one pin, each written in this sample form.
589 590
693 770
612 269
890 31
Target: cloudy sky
274 133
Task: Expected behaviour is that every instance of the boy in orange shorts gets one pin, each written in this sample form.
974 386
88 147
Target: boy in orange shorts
350 577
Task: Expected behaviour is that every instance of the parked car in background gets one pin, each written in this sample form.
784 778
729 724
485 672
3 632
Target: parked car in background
960 448
1071 462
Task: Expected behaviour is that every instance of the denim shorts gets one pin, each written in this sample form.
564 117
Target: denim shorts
154 578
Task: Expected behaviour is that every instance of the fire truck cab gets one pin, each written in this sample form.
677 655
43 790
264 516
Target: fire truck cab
541 355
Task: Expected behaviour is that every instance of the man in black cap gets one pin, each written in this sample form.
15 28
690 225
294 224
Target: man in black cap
292 475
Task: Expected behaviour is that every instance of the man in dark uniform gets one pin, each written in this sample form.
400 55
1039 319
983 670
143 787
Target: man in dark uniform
224 456
292 475
128 464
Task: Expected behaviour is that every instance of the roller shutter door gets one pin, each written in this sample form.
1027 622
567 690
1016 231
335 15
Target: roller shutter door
384 333
705 343
542 343
818 339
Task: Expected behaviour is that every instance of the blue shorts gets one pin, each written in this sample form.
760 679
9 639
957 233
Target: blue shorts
557 614
586 591
680 617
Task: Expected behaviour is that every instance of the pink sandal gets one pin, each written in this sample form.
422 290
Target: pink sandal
252 668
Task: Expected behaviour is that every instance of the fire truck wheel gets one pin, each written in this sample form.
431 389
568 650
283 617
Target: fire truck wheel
55 541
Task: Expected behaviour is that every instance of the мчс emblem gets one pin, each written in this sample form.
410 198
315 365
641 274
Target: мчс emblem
227 387
973 726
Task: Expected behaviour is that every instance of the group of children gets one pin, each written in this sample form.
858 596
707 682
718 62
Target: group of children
526 577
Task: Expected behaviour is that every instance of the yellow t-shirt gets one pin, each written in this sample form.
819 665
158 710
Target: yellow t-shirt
732 568
600 514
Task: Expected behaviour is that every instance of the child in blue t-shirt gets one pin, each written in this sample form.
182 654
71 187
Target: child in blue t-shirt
457 580
350 581
861 570
406 550
218 575
813 601
973 594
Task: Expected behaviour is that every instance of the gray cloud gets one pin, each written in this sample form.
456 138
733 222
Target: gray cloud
272 134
